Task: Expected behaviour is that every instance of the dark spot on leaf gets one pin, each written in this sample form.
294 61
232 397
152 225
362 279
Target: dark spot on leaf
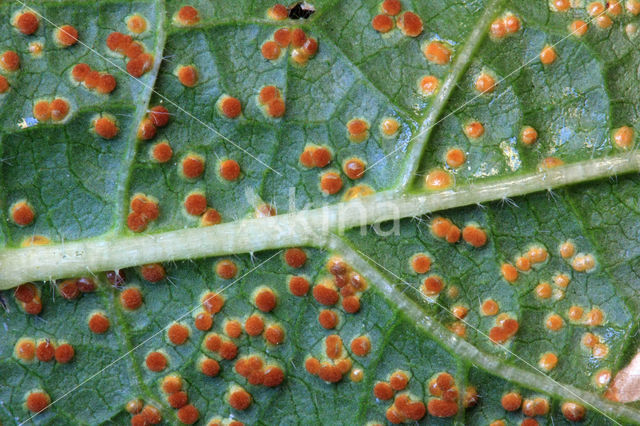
301 10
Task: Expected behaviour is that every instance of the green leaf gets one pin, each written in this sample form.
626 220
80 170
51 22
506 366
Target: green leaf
368 316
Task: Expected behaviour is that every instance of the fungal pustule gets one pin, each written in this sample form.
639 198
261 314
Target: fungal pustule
354 168
573 411
25 349
106 127
226 269
274 334
382 23
22 213
485 83
212 302
270 50
42 111
10 61
137 24
106 84
229 106
209 367
528 135
321 156
99 323
420 263
192 166
178 333
511 401
410 24
59 109
295 257
498 29
438 180
159 116
509 272
328 319
156 361
66 36
357 129
203 321
548 361
171 383
298 286
391 7
265 299
195 203
45 350
511 23
178 399
548 55
623 137
210 217
64 353
131 298
361 346
26 22
389 127
333 346
437 52
399 380
474 129
187 75
432 286
429 85
543 290
474 235
254 325
187 16
143 63
633 7
229 170
578 28
282 36
238 398
4 84
330 183
278 12
153 272
37 401
489 307
554 322
232 328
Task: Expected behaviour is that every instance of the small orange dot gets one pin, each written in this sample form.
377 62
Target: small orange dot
391 7
188 15
25 349
429 85
45 351
325 295
437 52
178 334
410 24
382 23
10 61
543 290
282 36
37 401
146 130
210 217
278 12
383 391
131 298
357 129
432 286
578 28
437 180
320 156
298 37
360 346
171 384
188 75
511 401
140 65
498 29
66 35
27 23
398 380
594 317
254 325
523 263
64 353
298 286
192 166
274 334
389 126
573 412
106 128
623 137
420 263
485 83
455 158
548 361
330 183
474 236
226 269
159 115
440 227
203 321
512 24
42 111
22 213
162 152
351 304
270 50
209 367
265 300
195 204
188 414
4 84
212 302
554 322
153 272
328 319
575 313
459 311
474 130
137 24
354 168
229 106
537 254
489 307
156 361
548 55
295 257
528 135
99 323
239 399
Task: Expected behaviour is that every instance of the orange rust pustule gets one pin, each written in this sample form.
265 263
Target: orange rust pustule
106 128
298 286
254 325
230 107
192 166
229 170
295 257
156 361
37 401
361 346
99 323
188 15
178 334
64 353
195 204
66 35
27 23
239 399
10 61
188 414
131 298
